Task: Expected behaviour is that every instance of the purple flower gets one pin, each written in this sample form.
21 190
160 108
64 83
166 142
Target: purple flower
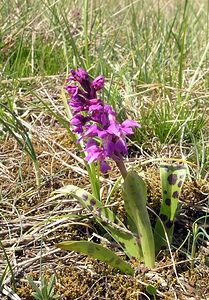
72 89
104 167
94 101
78 121
121 147
96 153
80 75
96 122
77 104
92 130
125 126
98 83
123 129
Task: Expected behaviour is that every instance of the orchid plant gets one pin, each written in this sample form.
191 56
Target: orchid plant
103 138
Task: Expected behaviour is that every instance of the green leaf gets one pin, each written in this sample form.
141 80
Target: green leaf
9 266
107 219
151 290
50 288
135 199
34 286
3 276
172 179
99 252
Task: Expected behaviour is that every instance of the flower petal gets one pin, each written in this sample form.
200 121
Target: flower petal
104 167
130 123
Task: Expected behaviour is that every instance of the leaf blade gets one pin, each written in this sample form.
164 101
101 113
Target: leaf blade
99 252
107 219
135 199
172 179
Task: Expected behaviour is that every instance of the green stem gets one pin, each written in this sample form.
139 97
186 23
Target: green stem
194 242
86 33
94 180
37 173
121 167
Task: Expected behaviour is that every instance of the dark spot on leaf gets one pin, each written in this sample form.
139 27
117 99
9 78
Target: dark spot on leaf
169 224
163 217
93 202
180 183
90 207
85 196
165 192
168 201
182 176
175 194
172 178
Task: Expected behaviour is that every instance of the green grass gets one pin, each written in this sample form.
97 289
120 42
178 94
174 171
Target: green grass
153 54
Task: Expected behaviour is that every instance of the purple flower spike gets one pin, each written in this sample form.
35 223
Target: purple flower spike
96 122
79 75
98 83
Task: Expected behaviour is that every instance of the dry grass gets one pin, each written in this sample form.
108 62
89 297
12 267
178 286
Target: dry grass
153 55
32 221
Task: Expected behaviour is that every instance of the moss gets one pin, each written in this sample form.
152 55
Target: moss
99 281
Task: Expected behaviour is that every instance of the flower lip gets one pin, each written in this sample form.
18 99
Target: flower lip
130 123
95 107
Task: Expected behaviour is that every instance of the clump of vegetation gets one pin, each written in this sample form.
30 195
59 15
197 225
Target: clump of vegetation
153 55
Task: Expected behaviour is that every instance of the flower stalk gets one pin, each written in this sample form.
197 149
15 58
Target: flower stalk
105 138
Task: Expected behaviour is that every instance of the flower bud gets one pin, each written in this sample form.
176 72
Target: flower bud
98 83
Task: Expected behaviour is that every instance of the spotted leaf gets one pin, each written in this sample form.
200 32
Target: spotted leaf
128 241
99 252
172 179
